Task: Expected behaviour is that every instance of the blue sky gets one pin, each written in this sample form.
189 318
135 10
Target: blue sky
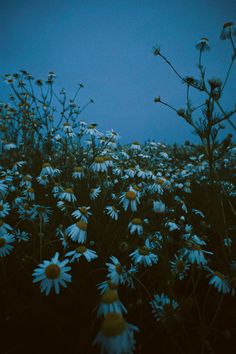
107 46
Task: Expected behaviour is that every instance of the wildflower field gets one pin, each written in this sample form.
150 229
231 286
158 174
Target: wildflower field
110 248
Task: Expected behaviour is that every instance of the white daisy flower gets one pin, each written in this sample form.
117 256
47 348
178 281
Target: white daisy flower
179 267
62 236
42 180
67 128
68 195
61 205
26 181
29 193
57 190
4 209
172 226
143 255
40 211
3 189
78 231
164 308
21 235
129 199
130 172
159 207
52 274
99 164
219 281
135 146
5 244
92 131
136 226
4 227
203 44
116 336
83 213
112 212
111 134
78 172
110 303
107 285
47 169
24 211
228 30
195 254
80 251
115 271
94 193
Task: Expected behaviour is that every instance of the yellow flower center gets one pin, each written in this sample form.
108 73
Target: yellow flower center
137 221
180 266
81 249
69 190
220 275
113 325
119 269
1 222
168 309
1 207
83 211
131 195
2 242
40 209
30 190
109 296
99 159
228 24
112 286
46 164
81 225
78 169
137 188
92 126
144 251
196 247
52 271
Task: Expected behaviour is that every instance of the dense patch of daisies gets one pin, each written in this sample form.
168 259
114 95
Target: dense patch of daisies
78 196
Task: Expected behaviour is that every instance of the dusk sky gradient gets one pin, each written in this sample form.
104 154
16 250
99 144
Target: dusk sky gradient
107 46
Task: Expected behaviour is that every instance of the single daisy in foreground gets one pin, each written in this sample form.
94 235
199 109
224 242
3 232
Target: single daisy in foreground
116 336
52 274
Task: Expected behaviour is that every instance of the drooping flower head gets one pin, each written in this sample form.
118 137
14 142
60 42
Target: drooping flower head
116 336
228 30
203 44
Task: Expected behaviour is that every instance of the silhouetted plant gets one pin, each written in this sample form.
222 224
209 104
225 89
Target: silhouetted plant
208 125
